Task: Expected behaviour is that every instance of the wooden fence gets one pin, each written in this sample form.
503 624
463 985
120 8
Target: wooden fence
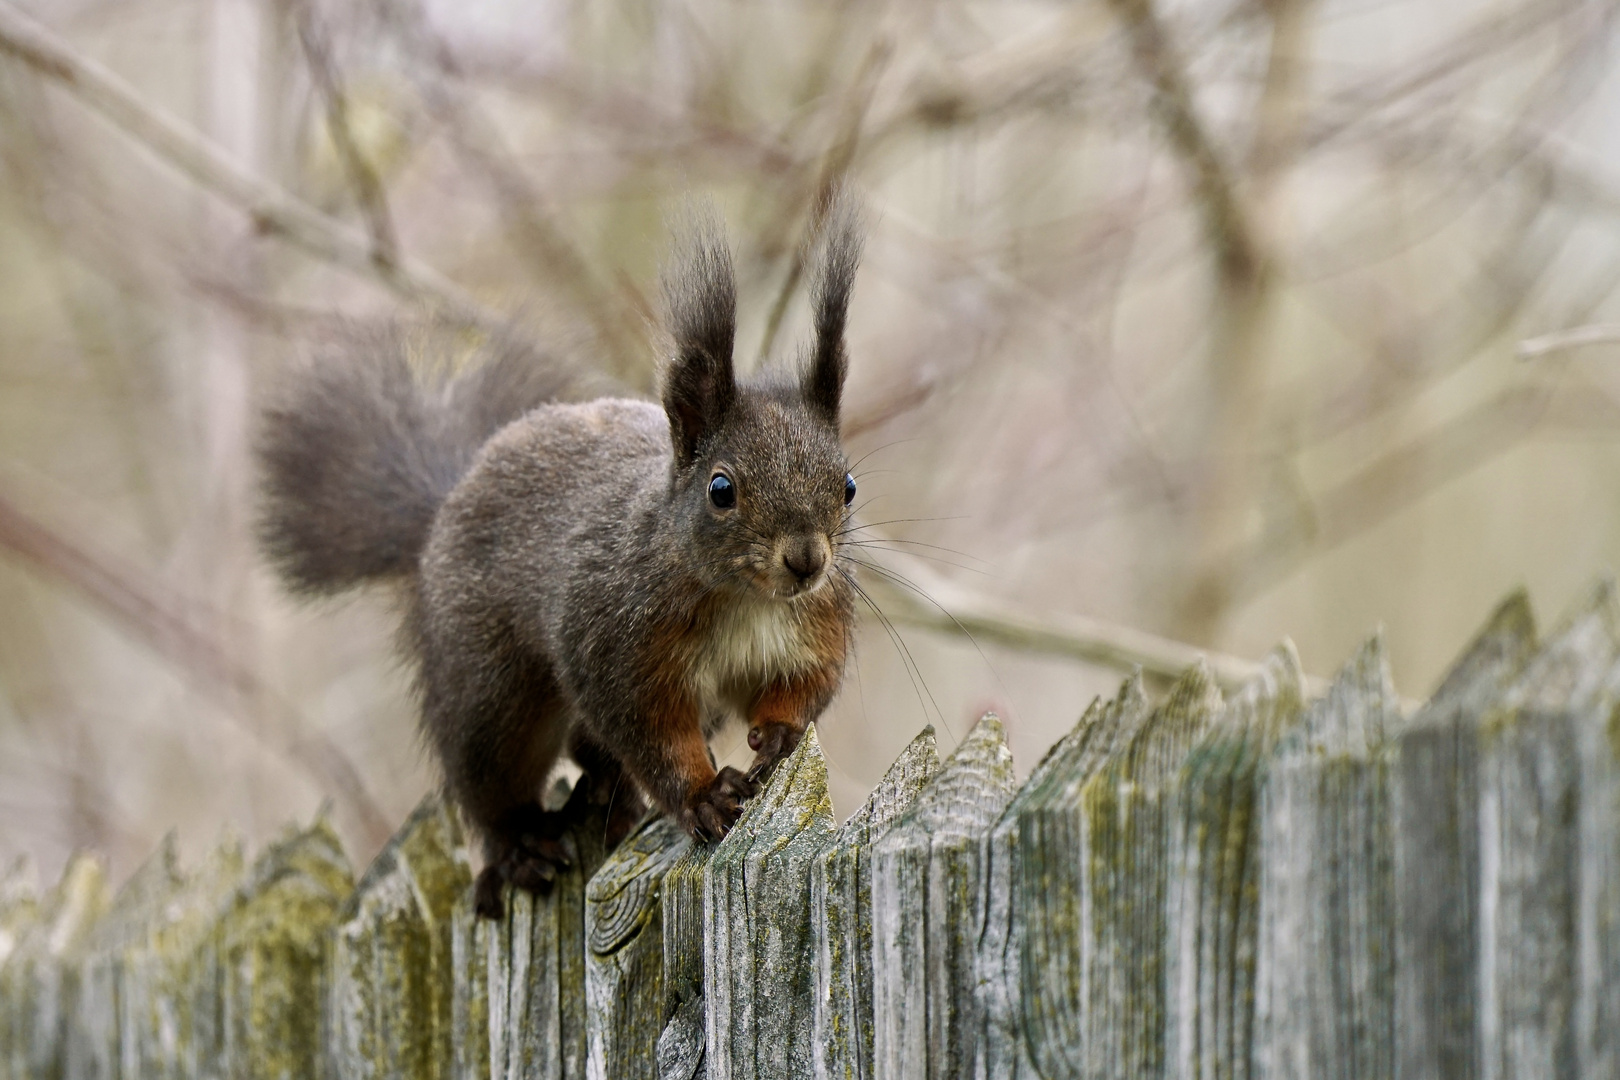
1263 886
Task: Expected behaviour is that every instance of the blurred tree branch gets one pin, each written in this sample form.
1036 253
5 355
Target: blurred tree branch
271 209
368 188
170 626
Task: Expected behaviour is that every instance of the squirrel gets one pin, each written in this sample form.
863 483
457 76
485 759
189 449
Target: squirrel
612 579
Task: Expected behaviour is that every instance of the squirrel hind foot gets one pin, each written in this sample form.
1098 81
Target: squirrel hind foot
710 813
532 863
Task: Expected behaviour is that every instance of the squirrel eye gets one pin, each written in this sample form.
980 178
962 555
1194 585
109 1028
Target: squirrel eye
722 492
849 489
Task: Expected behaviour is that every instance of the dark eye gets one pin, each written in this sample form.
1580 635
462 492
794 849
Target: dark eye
722 492
849 489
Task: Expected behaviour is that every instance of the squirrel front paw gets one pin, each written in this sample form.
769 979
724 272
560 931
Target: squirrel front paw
710 813
770 743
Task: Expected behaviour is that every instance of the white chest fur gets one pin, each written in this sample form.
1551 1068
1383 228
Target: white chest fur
749 644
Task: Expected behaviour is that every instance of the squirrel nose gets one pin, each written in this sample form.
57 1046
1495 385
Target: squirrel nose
805 559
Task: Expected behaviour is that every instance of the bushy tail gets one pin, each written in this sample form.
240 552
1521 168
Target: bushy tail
357 456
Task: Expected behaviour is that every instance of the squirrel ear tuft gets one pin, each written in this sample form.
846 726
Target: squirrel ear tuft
700 295
837 245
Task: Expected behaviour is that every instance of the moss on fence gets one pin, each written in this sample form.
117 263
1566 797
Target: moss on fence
1204 888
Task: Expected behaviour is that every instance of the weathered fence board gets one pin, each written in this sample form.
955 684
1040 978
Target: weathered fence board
756 905
624 958
1434 812
392 966
1529 844
1011 864
270 945
927 895
1051 897
1258 888
841 916
39 982
1212 902
681 1043
1325 971
535 978
136 1014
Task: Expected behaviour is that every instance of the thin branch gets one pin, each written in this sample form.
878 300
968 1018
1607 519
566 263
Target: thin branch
368 188
952 609
162 621
271 209
840 154
532 225
1412 471
1564 340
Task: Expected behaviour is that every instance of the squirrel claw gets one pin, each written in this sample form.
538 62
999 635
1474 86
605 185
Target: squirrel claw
710 814
770 743
532 864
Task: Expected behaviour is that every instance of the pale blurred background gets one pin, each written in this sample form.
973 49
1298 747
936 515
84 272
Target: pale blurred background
1198 317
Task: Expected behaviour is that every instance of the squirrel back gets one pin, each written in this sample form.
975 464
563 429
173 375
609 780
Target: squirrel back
360 451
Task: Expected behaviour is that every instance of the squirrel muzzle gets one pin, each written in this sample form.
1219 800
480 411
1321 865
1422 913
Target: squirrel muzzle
801 564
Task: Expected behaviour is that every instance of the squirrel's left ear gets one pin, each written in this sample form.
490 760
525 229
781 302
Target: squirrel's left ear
837 246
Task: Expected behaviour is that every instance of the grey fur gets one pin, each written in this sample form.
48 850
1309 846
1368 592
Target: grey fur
569 585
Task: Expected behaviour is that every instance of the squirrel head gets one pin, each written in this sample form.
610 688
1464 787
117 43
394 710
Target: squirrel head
759 477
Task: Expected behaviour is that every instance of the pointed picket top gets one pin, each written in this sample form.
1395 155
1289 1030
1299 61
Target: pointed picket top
841 906
1120 722
1159 746
795 797
139 902
76 905
19 904
895 792
1569 669
1359 710
1499 650
1273 699
970 790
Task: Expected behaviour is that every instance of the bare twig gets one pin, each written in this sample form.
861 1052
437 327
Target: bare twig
1416 469
368 188
856 100
1244 275
938 604
1563 340
169 626
271 209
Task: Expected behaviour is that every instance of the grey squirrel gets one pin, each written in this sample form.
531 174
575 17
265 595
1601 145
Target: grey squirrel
609 579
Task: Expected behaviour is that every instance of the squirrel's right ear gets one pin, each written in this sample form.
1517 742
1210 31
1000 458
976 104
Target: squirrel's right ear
700 294
837 253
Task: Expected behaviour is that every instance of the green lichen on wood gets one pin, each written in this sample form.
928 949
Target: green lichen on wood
39 979
1122 814
1434 813
681 1043
1052 890
927 900
1325 965
390 1009
269 959
1211 894
94 1047
841 915
1004 1052
624 955
759 986
137 1009
535 965
1534 1001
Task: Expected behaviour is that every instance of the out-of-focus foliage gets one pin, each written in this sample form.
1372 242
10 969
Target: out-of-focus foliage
1197 316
